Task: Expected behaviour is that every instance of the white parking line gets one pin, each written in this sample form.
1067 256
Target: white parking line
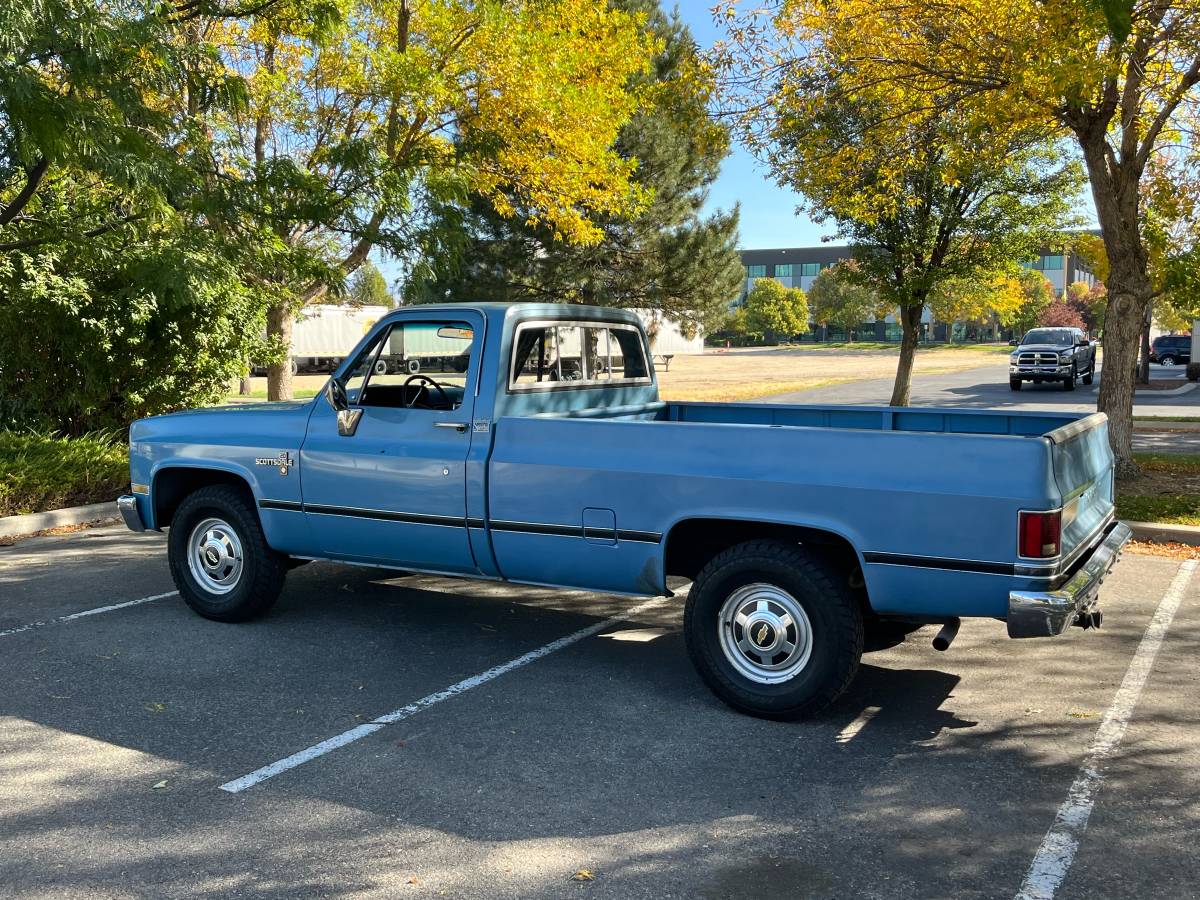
1058 848
361 731
87 612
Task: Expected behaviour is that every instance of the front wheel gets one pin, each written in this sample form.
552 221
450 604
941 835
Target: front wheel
1167 362
1014 384
773 630
1069 381
219 557
1091 374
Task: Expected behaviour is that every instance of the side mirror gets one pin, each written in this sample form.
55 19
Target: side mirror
347 417
1013 343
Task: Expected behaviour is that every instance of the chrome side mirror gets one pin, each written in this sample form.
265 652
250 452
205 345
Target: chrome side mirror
347 417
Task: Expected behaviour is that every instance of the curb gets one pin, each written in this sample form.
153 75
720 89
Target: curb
1161 533
20 526
1144 425
1173 392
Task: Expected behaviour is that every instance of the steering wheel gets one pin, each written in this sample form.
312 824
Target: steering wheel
426 380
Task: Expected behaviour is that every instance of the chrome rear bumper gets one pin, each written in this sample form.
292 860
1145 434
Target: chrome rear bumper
1047 613
127 504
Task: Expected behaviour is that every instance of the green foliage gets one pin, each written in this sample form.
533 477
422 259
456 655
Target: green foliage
776 311
368 287
666 257
145 319
40 472
840 297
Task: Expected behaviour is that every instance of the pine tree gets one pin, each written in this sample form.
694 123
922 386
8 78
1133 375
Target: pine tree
669 259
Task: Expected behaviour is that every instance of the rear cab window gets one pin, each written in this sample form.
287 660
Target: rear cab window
566 355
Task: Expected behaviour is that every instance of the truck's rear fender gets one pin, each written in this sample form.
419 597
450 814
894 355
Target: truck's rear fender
285 529
691 542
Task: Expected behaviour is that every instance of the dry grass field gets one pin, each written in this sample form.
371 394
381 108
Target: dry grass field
743 374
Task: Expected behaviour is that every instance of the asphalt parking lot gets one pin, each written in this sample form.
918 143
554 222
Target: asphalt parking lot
939 775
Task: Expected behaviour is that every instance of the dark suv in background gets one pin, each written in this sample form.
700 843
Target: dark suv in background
1171 349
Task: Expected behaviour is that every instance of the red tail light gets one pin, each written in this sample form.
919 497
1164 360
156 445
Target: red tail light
1039 534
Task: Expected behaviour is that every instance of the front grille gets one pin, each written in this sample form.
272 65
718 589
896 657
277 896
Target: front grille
1038 358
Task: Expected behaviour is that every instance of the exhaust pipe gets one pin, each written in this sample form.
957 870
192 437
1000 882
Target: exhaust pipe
944 638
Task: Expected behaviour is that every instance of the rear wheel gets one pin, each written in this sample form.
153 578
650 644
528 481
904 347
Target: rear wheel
1014 384
773 630
219 557
1167 362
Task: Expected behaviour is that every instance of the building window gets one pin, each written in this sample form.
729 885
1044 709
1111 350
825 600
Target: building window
810 269
756 271
1052 263
783 271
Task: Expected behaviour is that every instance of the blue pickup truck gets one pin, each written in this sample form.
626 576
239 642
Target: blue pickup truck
527 443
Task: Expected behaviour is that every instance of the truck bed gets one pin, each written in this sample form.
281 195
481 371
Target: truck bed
891 482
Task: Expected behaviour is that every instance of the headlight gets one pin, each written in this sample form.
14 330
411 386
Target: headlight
1065 357
1014 358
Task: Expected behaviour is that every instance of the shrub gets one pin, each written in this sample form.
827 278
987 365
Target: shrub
40 472
1193 371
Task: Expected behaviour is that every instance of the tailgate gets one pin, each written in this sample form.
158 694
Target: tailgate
1083 466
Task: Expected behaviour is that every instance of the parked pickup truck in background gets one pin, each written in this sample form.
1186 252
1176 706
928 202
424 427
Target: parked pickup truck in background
1053 354
551 460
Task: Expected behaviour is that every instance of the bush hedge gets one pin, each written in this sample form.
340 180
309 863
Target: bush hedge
40 472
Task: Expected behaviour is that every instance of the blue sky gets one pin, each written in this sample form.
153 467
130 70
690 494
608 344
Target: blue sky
769 216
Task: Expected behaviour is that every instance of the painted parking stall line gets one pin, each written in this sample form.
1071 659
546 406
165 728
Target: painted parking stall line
361 731
62 620
1058 848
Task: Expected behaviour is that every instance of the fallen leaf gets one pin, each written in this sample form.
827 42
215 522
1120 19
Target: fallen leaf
413 880
156 707
400 743
158 787
583 875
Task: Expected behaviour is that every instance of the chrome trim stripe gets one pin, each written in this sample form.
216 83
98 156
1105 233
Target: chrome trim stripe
644 537
937 562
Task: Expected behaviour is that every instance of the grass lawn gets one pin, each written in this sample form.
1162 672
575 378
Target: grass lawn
1167 490
38 472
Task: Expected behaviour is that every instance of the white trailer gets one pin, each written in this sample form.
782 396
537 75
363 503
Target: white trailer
324 334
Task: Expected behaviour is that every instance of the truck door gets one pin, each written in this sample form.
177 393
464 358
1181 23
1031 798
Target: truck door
388 484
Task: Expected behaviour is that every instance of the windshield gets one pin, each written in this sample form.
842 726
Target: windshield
1059 337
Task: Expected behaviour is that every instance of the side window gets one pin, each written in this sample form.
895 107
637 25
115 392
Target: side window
415 365
557 355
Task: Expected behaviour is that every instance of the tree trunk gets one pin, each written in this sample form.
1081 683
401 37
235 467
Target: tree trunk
910 324
280 321
244 387
1122 327
1144 365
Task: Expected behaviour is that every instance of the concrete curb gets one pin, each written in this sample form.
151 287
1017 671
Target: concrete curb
1161 533
1144 426
19 526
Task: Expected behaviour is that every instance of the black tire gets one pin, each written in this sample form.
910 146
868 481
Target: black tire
1069 381
262 570
831 609
1167 359
1091 374
1014 384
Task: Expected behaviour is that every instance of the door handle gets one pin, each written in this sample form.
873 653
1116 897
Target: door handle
460 427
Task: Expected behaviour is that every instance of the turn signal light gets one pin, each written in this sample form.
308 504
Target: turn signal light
1039 534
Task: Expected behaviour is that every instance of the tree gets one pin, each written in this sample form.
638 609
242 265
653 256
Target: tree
840 297
1089 301
1061 314
668 258
1118 78
368 287
364 116
1030 294
924 198
776 311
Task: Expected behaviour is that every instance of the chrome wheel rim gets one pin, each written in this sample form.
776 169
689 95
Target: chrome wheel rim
765 633
1168 363
215 556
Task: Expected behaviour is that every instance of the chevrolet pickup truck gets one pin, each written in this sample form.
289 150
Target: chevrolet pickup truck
549 459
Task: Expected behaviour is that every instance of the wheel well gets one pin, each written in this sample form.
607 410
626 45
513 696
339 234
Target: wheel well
693 542
173 484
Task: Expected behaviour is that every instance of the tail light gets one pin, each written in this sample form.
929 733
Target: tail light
1039 534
